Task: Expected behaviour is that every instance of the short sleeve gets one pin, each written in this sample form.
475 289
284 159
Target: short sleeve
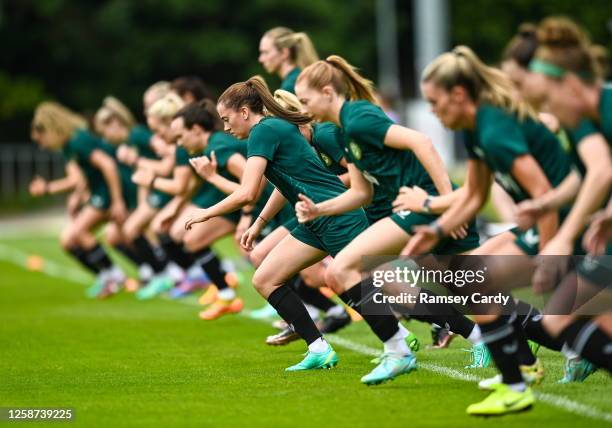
263 142
583 130
368 124
181 157
501 138
82 145
140 137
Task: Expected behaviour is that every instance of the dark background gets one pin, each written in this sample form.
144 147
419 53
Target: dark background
76 52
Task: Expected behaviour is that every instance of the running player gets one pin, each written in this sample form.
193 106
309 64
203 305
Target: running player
285 53
502 136
387 156
577 96
54 127
277 148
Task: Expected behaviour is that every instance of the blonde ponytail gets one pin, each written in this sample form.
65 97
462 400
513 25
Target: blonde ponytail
484 84
54 117
342 76
301 49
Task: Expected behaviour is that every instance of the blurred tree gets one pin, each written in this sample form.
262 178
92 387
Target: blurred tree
78 51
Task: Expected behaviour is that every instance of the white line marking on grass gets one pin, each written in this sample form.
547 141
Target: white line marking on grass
56 270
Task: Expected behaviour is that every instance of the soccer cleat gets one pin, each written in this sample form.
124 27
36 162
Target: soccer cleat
264 312
110 288
209 295
280 324
532 375
154 287
333 323
131 285
411 340
502 400
577 370
316 360
188 286
221 307
286 336
441 337
480 356
391 366
95 289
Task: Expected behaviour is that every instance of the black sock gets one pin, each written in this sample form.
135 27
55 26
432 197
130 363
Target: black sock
98 257
502 342
589 341
312 296
129 253
147 254
293 311
81 256
378 315
531 320
525 356
212 266
443 314
176 252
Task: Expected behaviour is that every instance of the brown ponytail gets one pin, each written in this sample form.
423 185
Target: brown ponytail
565 45
255 95
342 76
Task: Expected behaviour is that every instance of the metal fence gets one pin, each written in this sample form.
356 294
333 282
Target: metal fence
20 162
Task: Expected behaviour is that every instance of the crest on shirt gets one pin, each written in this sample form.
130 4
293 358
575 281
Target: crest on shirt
326 159
355 150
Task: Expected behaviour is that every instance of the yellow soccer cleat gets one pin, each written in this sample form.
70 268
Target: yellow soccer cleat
501 401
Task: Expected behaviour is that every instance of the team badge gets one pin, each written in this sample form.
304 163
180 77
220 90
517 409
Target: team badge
326 160
355 150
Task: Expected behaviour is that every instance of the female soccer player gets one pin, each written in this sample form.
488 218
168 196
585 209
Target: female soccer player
504 138
56 128
575 93
285 53
387 156
277 148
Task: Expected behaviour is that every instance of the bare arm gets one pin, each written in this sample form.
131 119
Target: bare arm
595 154
246 194
401 138
529 175
108 168
359 194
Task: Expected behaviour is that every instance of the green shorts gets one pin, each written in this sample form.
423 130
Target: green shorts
529 241
100 198
408 219
597 269
331 234
157 199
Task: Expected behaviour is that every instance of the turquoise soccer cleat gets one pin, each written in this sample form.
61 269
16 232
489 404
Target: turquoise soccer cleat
316 360
577 370
154 287
391 366
480 356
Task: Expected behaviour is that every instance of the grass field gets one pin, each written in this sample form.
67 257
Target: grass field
123 362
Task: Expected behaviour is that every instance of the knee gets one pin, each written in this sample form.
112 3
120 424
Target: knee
257 256
260 282
68 239
177 232
113 235
341 274
190 242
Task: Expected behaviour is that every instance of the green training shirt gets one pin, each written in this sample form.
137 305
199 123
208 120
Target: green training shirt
500 137
365 126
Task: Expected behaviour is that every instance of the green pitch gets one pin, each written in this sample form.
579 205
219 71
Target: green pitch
122 362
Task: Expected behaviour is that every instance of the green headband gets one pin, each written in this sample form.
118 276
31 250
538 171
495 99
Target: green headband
555 71
546 68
